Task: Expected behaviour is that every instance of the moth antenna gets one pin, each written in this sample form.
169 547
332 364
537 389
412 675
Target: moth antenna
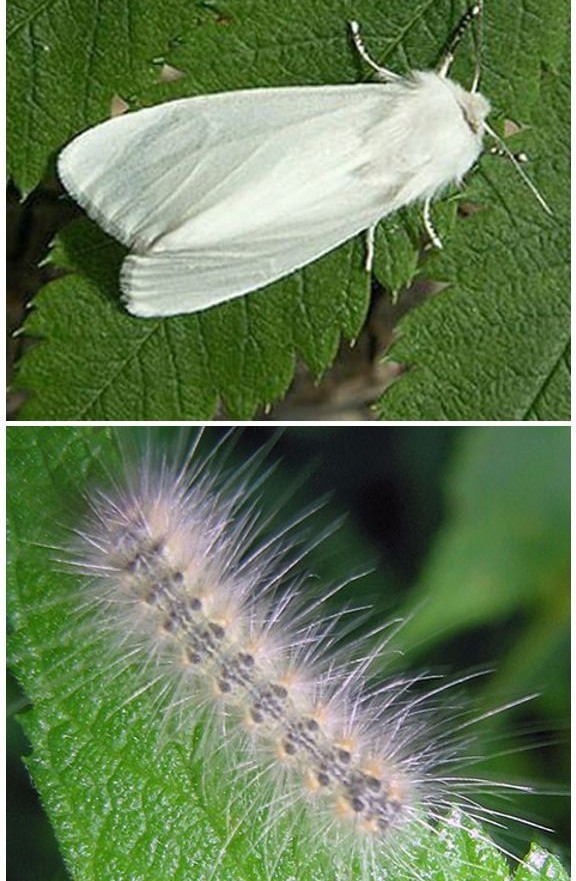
505 151
472 13
479 43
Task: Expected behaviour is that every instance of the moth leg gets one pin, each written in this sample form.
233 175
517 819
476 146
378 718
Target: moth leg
369 259
517 159
383 72
499 151
429 226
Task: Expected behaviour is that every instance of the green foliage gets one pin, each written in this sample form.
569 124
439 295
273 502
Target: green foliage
508 492
492 346
128 802
540 864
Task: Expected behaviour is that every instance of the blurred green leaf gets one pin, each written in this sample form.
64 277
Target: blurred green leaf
506 542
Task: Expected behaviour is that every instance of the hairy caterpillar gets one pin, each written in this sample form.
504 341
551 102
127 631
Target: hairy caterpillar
257 783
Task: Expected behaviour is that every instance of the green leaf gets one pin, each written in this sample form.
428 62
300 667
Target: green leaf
128 799
540 864
110 366
493 346
507 538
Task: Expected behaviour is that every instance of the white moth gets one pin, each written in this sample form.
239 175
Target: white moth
219 195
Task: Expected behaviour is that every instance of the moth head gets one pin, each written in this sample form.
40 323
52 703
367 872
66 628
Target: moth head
475 108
